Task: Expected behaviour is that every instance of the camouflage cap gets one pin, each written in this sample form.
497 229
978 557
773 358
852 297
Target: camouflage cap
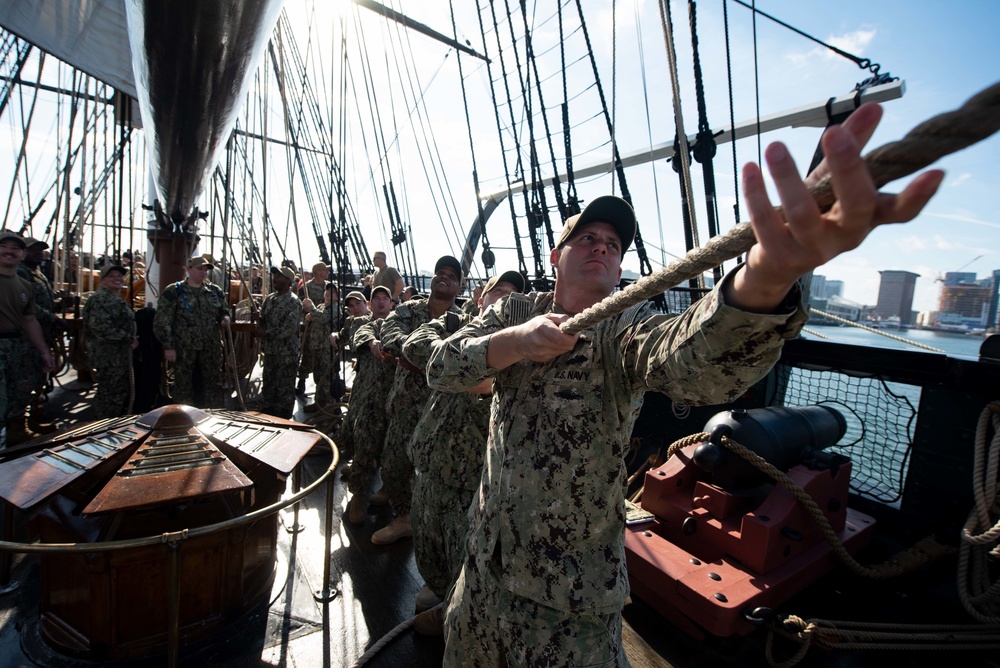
16 238
449 261
381 288
284 271
198 262
29 242
320 266
354 294
605 209
513 277
108 268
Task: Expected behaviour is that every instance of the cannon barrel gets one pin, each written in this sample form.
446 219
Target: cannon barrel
782 436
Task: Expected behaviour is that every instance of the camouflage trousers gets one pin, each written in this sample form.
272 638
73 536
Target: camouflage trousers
404 407
110 362
278 384
27 378
440 519
10 375
486 625
323 368
307 363
368 434
198 378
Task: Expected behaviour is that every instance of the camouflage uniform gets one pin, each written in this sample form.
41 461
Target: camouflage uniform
345 436
12 399
108 329
546 539
187 321
280 316
307 365
317 345
366 414
31 380
447 449
405 403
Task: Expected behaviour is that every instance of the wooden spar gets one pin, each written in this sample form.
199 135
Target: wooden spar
810 115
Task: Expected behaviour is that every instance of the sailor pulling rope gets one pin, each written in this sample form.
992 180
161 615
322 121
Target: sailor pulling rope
946 133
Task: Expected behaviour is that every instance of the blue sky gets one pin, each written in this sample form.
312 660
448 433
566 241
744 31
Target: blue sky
944 53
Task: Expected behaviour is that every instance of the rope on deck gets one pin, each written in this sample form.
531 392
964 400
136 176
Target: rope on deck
933 139
388 638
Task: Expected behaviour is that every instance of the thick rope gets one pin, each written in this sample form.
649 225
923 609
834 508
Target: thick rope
388 638
933 139
901 339
981 533
844 635
683 154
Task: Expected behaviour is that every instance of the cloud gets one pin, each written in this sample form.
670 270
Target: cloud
959 180
914 243
853 42
963 219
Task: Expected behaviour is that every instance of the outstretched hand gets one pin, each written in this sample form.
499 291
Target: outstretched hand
804 238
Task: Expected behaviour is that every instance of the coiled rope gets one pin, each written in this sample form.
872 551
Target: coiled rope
981 533
933 139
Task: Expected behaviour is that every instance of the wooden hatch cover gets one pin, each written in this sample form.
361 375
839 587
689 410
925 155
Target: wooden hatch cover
280 444
176 462
29 480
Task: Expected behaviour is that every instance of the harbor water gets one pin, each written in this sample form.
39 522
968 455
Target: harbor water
952 343
880 414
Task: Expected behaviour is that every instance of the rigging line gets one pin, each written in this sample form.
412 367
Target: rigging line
22 152
433 157
529 209
503 154
732 116
681 138
441 177
644 267
386 175
337 222
487 253
704 148
398 231
863 63
556 182
572 201
649 126
293 157
756 83
403 242
614 80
